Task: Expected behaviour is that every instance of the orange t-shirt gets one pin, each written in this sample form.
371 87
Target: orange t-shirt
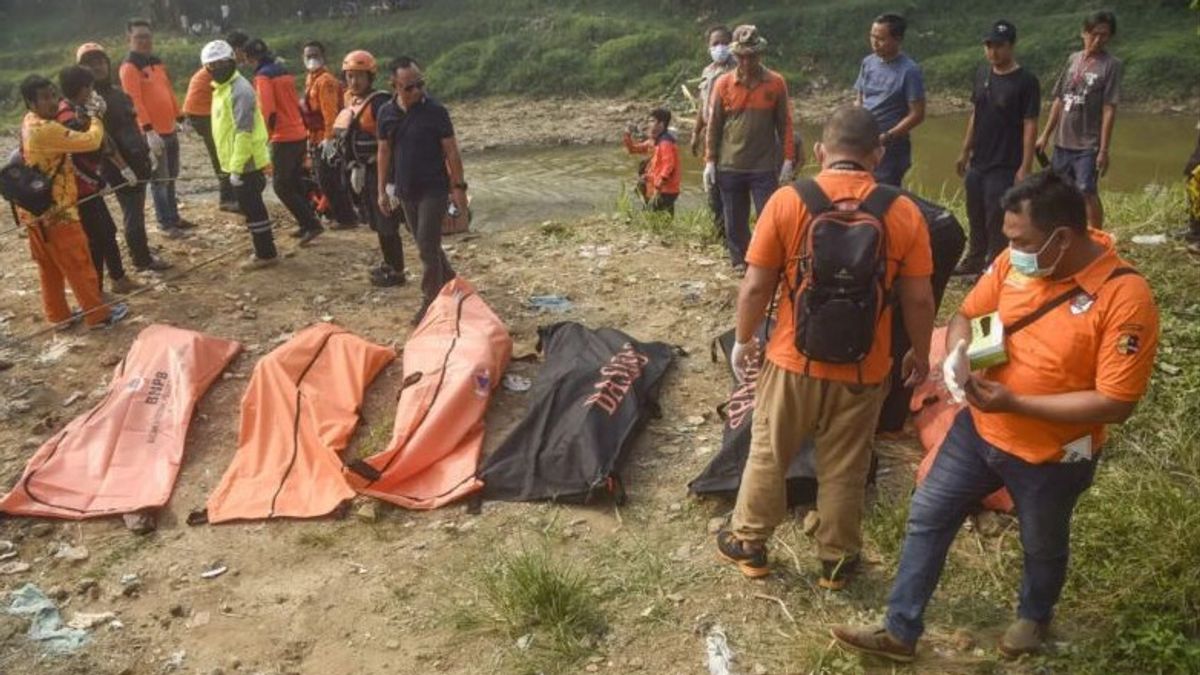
777 239
198 100
1103 340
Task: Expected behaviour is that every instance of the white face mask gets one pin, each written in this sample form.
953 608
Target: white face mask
719 53
313 64
1029 263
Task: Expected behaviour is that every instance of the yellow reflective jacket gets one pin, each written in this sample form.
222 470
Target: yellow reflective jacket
45 145
238 128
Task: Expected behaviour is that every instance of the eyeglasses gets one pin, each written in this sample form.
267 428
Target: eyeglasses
419 84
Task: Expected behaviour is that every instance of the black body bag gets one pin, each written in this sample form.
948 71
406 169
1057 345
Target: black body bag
595 391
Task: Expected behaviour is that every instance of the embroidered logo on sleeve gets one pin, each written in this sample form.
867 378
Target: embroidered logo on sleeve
1128 344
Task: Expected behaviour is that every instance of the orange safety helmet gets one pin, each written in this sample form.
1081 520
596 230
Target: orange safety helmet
87 48
359 60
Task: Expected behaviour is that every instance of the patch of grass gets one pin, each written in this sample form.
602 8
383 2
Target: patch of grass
884 526
531 593
686 225
625 47
310 538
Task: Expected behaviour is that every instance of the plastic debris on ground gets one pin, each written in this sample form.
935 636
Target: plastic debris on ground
517 383
45 621
550 303
720 656
1150 239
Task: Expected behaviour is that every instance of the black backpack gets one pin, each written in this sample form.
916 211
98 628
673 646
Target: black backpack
27 186
840 289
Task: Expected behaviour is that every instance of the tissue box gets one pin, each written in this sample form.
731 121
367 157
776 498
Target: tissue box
987 342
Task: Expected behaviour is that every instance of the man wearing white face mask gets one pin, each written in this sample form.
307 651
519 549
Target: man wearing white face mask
1081 331
723 61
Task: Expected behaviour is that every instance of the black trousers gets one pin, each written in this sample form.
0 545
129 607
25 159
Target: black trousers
132 199
947 244
424 215
335 185
288 159
101 234
258 219
386 227
984 190
663 203
203 126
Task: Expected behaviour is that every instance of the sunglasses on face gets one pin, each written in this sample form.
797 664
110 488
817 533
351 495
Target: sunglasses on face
419 84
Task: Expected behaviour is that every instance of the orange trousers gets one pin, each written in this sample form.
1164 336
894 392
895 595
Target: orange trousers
61 253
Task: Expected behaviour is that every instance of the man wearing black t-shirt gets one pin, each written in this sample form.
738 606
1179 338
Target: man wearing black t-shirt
420 170
999 146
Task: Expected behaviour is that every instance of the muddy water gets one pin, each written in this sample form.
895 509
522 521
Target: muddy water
536 184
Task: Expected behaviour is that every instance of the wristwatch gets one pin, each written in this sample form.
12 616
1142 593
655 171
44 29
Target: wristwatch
462 185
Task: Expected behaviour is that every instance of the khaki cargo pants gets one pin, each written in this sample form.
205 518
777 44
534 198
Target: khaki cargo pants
841 418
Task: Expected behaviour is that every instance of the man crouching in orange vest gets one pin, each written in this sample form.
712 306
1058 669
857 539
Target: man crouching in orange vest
56 239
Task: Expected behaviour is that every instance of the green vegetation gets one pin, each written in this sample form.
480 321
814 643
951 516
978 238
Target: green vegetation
1132 601
620 47
548 606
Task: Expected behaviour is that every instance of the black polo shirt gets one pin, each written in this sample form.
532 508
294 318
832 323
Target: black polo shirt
415 137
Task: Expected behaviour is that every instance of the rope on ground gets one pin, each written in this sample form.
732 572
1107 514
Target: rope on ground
21 341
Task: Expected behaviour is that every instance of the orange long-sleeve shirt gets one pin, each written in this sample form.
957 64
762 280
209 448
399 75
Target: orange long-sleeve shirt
276 89
198 100
149 86
323 95
662 174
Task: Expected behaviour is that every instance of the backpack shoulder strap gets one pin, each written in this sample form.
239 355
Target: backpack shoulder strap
1060 299
879 201
813 196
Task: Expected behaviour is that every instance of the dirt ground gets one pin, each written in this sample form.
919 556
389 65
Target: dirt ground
390 595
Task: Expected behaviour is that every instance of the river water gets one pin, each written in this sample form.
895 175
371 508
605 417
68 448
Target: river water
532 185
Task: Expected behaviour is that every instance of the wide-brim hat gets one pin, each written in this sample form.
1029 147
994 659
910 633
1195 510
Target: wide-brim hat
746 40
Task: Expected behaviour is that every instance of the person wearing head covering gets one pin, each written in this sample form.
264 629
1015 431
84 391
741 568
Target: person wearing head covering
749 146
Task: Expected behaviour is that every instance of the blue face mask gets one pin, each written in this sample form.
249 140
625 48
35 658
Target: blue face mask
1027 263
719 53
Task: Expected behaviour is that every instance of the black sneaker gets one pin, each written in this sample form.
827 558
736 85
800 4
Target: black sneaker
185 224
835 574
173 233
156 264
307 236
753 564
342 226
386 277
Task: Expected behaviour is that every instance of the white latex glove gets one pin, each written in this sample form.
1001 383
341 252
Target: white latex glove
156 143
742 357
787 172
235 179
358 178
955 371
394 200
129 176
710 175
328 149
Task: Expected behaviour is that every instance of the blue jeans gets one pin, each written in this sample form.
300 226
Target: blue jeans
966 470
1079 166
163 191
897 159
737 189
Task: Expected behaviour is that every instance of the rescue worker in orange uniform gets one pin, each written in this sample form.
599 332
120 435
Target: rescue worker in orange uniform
276 89
356 130
662 173
56 238
320 105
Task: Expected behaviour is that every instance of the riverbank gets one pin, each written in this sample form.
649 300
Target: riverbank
404 592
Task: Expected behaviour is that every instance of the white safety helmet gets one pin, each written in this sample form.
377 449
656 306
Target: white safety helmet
217 50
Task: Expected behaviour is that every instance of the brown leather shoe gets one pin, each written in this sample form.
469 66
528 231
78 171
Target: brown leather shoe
1024 636
874 640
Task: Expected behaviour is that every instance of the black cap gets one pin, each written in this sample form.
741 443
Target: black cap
1002 31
